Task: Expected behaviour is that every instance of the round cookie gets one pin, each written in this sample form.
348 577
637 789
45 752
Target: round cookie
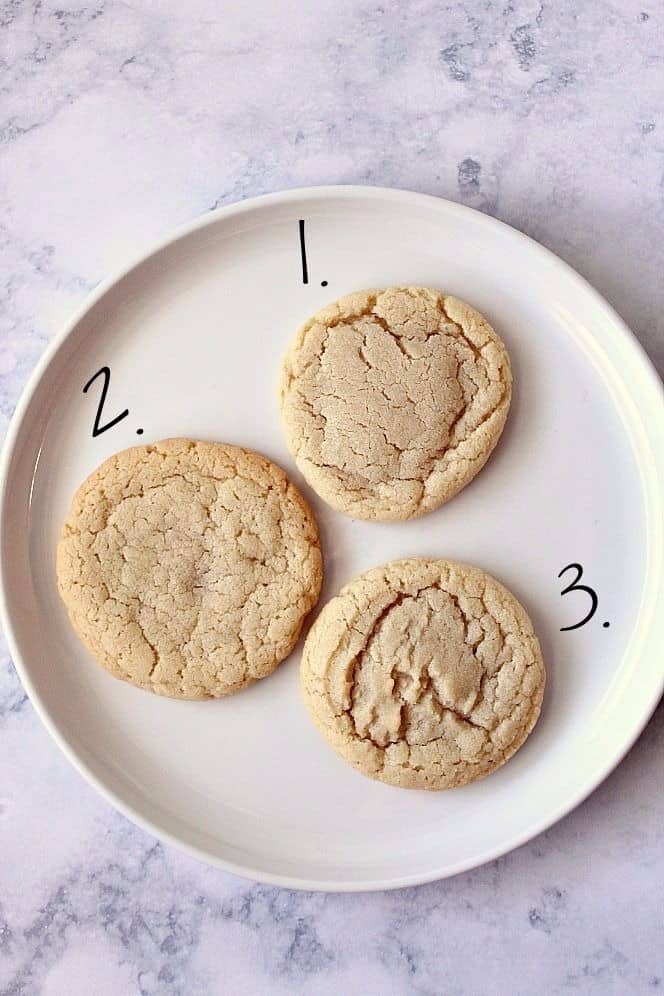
393 400
424 674
187 568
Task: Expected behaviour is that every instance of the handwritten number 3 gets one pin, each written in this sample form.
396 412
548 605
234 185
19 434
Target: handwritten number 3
97 429
575 586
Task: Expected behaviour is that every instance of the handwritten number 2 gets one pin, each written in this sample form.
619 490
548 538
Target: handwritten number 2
575 586
97 429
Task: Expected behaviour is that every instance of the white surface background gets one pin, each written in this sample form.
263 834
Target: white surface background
119 121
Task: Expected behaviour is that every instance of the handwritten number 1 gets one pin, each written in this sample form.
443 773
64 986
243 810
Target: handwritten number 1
97 429
303 256
575 586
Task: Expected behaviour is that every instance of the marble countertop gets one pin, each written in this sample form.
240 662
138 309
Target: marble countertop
118 121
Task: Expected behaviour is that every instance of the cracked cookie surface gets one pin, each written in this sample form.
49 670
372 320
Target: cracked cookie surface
393 400
424 673
187 567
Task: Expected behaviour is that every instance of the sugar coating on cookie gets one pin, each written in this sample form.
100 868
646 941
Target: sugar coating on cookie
187 567
424 674
393 400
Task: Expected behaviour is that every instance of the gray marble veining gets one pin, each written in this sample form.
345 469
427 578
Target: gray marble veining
119 120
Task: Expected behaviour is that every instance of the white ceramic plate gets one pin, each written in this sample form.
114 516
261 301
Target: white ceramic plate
193 334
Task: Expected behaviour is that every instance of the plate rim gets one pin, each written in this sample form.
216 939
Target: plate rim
629 341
